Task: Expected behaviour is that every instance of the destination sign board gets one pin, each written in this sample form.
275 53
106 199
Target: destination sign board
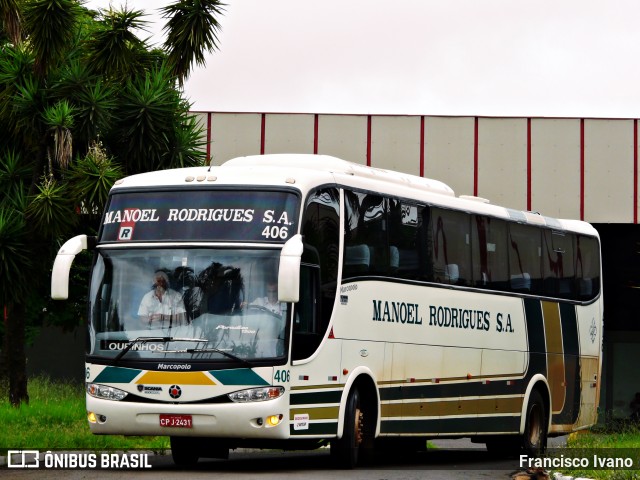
201 215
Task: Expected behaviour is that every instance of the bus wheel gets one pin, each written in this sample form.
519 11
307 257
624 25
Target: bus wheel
534 439
344 451
183 451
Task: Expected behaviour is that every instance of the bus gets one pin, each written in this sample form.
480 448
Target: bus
403 312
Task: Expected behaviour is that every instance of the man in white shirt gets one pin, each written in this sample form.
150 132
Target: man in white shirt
162 306
270 302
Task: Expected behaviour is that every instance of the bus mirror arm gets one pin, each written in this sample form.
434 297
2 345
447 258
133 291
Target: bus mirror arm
289 270
62 264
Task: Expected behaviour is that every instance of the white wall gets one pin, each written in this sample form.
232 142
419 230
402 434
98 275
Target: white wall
559 167
449 152
234 135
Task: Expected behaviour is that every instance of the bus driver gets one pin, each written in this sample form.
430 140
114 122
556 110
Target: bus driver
270 301
161 306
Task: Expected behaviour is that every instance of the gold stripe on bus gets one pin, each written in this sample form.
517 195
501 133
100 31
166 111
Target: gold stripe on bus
555 355
332 386
170 378
501 376
589 369
475 406
317 413
391 410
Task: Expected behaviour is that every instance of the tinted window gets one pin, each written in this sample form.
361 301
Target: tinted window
366 242
587 267
321 231
392 237
558 264
451 246
408 241
489 241
525 249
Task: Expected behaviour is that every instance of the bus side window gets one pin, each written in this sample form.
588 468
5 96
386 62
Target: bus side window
357 256
557 264
525 258
318 283
374 214
489 246
357 259
306 337
451 247
366 228
587 267
407 244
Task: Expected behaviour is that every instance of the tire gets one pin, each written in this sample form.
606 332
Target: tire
534 438
345 451
183 451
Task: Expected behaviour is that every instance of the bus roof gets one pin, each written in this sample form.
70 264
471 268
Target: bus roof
307 171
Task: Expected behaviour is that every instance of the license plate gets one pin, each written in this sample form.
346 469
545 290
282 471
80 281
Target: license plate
179 421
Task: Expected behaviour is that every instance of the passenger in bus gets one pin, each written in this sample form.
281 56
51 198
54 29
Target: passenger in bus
162 306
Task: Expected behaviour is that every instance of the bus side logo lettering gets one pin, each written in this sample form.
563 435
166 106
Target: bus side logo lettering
399 312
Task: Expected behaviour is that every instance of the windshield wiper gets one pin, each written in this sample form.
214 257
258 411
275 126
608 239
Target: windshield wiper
143 340
211 350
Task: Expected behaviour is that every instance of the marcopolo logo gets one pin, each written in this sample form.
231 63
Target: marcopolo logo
174 366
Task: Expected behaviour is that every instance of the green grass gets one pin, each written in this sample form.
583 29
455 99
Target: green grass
55 418
603 440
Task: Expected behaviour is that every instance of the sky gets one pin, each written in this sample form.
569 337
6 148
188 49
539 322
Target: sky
548 58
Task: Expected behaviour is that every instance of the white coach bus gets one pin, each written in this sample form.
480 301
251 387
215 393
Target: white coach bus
403 312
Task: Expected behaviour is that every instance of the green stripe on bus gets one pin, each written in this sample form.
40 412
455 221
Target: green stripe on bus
313 398
490 424
450 390
117 375
571 345
241 376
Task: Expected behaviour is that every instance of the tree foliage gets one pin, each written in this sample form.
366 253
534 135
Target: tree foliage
192 30
83 102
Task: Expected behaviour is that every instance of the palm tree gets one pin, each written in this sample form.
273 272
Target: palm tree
10 17
83 101
192 30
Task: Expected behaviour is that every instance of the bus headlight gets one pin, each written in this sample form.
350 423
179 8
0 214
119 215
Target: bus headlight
102 391
256 394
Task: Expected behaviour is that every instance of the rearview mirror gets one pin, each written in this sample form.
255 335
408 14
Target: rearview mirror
62 265
289 270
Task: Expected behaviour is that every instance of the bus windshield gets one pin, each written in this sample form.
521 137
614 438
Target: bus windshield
186 304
